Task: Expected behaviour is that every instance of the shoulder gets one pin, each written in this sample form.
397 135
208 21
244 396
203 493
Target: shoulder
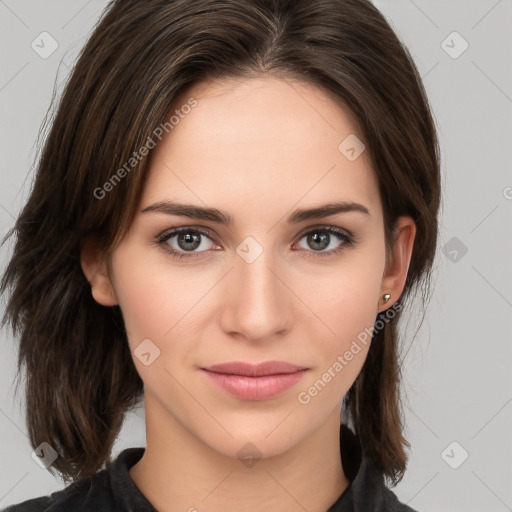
393 504
367 490
373 492
109 490
86 495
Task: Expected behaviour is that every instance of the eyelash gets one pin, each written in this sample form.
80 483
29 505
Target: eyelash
162 239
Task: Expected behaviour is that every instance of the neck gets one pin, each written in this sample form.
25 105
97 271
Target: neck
179 472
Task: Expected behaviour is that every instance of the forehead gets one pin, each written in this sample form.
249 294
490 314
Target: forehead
258 141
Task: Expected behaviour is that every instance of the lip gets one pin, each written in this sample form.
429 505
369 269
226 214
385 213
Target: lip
255 382
255 370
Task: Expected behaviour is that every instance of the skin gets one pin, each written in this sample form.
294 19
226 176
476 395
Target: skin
257 149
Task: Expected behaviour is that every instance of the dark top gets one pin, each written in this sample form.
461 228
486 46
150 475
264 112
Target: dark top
113 490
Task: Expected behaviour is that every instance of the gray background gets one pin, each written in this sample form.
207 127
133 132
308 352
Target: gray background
457 371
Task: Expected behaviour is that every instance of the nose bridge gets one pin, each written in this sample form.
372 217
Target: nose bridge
257 296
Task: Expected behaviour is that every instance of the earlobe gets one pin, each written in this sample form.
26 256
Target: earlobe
95 269
395 274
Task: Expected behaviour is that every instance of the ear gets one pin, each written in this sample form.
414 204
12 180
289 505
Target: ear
95 268
395 273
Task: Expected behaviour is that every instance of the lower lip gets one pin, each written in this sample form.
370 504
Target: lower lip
255 388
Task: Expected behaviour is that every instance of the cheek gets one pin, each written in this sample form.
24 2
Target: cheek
353 306
157 301
347 303
340 350
350 320
142 290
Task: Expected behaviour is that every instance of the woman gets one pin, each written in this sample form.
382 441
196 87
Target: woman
233 204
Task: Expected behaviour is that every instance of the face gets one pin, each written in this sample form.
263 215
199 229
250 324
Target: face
270 285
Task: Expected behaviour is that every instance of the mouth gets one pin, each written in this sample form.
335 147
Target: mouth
255 382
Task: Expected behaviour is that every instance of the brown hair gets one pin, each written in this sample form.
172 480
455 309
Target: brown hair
80 376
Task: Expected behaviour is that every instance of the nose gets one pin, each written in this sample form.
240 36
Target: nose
257 304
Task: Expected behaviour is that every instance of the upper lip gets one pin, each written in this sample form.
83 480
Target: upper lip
254 370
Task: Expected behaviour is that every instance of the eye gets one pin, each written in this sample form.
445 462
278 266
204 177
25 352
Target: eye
181 241
187 242
321 238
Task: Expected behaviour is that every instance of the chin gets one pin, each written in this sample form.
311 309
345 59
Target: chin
254 440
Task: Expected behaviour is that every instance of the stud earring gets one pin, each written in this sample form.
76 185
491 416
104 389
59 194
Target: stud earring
386 297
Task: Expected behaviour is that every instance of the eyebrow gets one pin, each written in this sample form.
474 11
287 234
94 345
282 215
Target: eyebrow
220 217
